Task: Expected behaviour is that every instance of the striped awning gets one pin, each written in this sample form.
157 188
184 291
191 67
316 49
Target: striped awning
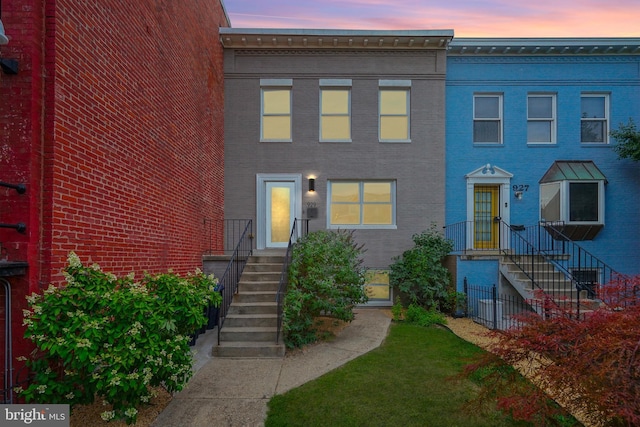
573 170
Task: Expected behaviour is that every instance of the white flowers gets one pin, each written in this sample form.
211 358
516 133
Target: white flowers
74 260
131 412
108 415
135 328
41 388
83 342
33 298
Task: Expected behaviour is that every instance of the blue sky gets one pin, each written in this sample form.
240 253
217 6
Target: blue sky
468 18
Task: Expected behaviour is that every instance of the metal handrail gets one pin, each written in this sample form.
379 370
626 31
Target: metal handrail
231 231
7 385
559 254
284 276
228 283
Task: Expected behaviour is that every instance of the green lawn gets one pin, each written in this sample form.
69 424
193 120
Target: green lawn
405 382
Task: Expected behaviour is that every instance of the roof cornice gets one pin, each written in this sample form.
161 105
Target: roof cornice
544 46
261 38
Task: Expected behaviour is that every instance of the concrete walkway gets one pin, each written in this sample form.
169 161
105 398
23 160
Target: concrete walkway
235 392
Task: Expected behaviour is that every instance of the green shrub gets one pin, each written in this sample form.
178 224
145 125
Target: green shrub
325 278
419 272
422 317
113 338
397 310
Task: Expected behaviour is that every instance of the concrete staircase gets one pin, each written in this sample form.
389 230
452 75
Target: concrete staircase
251 324
552 281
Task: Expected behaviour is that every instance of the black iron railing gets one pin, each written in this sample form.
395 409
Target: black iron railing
228 283
552 262
485 305
299 229
224 234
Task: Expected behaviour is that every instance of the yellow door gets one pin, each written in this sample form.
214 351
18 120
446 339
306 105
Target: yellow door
486 212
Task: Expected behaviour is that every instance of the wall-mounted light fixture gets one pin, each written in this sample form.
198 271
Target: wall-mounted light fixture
518 195
312 185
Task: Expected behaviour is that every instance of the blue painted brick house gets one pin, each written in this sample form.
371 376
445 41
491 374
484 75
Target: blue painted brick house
527 140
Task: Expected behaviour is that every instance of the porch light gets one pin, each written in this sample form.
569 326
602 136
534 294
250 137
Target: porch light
312 185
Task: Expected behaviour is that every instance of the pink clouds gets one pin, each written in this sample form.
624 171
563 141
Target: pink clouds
469 18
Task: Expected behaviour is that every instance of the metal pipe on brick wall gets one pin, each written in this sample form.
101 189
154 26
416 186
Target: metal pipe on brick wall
20 188
20 227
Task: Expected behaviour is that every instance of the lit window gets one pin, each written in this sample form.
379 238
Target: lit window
594 119
377 287
394 107
275 124
487 119
361 204
335 114
541 119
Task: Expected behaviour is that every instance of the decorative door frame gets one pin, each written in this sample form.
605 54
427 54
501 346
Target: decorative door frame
261 201
489 175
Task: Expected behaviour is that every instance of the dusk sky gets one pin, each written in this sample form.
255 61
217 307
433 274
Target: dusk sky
468 18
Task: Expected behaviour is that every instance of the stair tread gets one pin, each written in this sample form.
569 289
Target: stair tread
252 344
254 304
253 316
249 329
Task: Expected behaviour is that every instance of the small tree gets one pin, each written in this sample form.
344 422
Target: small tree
591 363
419 272
628 138
325 278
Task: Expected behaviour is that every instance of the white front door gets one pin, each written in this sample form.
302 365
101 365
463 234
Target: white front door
279 204
280 213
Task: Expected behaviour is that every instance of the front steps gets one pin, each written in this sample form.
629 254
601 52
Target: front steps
250 327
552 281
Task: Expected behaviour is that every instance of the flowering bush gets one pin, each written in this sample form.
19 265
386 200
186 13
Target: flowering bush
113 338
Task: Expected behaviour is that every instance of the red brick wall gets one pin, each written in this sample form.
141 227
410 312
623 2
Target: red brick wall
21 120
115 123
133 135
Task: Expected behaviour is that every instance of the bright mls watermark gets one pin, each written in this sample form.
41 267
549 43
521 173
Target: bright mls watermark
34 415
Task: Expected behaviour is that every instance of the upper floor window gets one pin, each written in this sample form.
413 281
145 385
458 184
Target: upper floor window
361 204
594 118
394 110
335 110
275 123
541 119
487 118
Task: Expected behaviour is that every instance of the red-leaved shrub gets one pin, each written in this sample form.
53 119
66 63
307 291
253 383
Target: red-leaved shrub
590 362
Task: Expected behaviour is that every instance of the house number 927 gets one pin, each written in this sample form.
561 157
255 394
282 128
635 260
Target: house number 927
520 187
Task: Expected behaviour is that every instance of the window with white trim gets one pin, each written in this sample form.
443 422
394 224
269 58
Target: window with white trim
487 118
335 110
594 118
572 202
541 119
275 116
361 204
393 109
